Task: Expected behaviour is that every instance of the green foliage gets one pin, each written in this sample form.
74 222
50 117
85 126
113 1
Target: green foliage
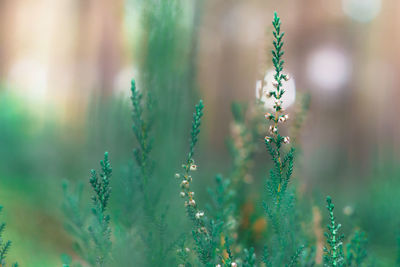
141 128
4 245
142 234
334 249
206 232
285 248
249 258
93 238
356 251
100 229
222 204
195 131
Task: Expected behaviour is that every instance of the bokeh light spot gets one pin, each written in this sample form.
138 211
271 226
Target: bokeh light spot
328 68
361 10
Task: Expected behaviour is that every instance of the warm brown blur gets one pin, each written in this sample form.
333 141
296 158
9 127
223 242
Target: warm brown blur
58 52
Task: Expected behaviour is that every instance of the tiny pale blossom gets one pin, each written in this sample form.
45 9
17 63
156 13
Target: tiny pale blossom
185 184
182 194
187 249
273 129
286 140
192 202
286 77
193 167
234 264
278 102
199 214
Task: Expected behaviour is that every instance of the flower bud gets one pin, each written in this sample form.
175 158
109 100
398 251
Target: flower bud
193 167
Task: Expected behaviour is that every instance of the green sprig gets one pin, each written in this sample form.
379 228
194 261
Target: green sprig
100 229
195 129
334 249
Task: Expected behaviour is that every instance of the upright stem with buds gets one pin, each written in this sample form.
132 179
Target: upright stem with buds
282 170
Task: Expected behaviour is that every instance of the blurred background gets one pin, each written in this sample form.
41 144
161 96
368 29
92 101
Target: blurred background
65 71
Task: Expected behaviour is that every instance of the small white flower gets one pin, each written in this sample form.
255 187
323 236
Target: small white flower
234 264
286 140
185 184
278 103
182 194
268 115
199 214
187 249
267 138
275 84
202 230
273 129
286 116
218 265
177 175
192 202
286 77
281 119
193 167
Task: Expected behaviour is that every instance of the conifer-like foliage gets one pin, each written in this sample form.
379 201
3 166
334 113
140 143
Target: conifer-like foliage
356 249
205 231
93 234
334 249
222 232
100 229
284 248
142 128
4 245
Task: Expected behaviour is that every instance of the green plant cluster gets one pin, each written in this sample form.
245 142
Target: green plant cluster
92 233
131 224
4 245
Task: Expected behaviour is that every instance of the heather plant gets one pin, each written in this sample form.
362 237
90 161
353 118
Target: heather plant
93 236
357 249
4 245
285 248
219 229
334 250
